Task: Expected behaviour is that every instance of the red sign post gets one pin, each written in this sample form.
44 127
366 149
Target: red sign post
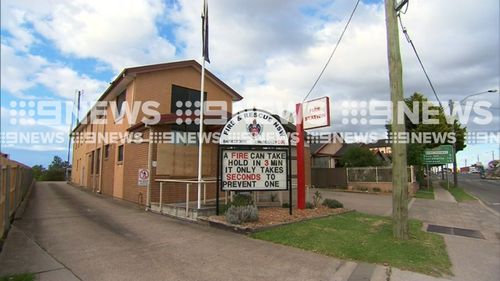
301 177
316 114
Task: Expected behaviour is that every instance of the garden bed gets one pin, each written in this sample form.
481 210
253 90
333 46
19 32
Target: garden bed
274 216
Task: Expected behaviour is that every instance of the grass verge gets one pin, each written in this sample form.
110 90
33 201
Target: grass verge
19 277
366 238
459 193
424 193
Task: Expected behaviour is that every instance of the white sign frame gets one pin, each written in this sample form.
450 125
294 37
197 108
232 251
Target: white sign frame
316 113
255 175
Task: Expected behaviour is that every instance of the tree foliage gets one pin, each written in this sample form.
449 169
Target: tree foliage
55 172
359 157
415 150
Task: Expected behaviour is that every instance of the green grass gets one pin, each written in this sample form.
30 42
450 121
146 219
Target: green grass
424 193
360 237
19 277
459 193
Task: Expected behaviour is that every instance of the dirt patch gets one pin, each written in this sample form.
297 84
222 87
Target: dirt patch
277 216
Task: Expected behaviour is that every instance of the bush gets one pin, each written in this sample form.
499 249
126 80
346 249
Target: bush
316 199
310 205
241 199
376 189
332 203
241 214
285 205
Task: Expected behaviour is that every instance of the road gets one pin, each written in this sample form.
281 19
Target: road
486 190
98 238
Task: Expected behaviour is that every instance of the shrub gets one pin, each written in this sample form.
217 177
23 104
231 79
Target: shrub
332 203
310 205
376 189
316 199
274 196
242 200
241 214
285 205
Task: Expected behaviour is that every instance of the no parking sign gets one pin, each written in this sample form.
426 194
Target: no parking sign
143 177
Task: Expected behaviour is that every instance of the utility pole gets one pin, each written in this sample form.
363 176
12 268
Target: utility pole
399 163
455 176
492 155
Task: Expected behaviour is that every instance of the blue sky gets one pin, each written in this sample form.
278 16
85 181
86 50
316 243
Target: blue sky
50 49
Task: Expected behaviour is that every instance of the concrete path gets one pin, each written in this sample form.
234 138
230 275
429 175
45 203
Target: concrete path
441 194
472 259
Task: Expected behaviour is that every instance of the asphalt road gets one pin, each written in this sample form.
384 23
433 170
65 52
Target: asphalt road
486 190
98 238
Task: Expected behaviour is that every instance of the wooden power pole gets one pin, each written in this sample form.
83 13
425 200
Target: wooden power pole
399 170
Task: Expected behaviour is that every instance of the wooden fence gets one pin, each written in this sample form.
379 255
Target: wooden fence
15 181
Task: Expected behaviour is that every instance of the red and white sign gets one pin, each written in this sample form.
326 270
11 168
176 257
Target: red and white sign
143 177
316 113
254 169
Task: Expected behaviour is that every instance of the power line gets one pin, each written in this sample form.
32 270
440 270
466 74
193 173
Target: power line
405 32
333 52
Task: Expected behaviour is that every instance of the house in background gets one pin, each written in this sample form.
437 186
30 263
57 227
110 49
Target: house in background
323 152
383 145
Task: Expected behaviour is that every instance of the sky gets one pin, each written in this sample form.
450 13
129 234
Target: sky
269 51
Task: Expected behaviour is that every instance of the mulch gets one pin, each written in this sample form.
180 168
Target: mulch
277 216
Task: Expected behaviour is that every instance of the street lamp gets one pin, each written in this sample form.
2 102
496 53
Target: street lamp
455 178
477 94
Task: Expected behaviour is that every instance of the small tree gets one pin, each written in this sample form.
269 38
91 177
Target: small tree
359 157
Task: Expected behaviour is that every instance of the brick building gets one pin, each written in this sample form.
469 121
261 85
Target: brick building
111 167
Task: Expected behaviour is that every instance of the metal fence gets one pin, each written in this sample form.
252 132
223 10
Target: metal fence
374 174
15 181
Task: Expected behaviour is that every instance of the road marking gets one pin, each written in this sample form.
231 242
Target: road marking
495 204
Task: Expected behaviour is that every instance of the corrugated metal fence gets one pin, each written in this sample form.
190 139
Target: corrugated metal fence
15 181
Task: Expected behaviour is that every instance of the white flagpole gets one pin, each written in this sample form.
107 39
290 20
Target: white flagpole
204 31
200 138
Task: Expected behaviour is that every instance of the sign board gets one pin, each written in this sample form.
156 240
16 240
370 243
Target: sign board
254 169
254 127
143 177
442 154
316 113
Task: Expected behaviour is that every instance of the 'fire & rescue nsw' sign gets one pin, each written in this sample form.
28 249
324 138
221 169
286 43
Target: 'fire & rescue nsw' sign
254 153
254 169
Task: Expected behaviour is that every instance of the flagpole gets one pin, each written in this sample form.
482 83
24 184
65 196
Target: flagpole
204 36
200 138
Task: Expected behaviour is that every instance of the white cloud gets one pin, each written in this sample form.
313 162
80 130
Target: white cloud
17 71
120 33
64 81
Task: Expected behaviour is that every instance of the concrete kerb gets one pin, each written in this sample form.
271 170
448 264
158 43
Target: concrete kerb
484 205
248 230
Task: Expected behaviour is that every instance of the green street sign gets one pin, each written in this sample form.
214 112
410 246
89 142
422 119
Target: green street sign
442 154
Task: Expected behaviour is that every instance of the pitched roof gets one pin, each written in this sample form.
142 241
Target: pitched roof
317 143
379 143
346 147
128 74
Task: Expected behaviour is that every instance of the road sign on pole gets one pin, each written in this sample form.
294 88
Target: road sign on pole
442 154
310 114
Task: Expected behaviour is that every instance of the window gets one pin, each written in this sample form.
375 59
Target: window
98 160
120 153
119 102
91 162
106 151
186 101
